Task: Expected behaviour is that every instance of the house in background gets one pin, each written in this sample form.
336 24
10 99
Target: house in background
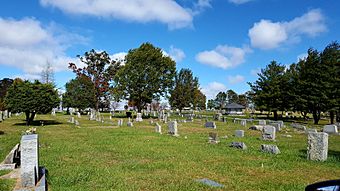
234 109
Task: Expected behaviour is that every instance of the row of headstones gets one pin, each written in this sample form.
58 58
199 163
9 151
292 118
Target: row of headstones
330 129
4 115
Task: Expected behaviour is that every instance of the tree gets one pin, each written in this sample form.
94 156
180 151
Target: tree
146 75
31 98
221 100
100 69
47 74
200 99
268 88
4 85
185 90
232 96
80 93
242 100
211 104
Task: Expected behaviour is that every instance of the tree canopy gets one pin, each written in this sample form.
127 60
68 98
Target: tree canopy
147 74
80 93
31 98
4 85
100 69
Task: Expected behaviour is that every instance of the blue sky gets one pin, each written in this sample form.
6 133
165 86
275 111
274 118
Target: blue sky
224 42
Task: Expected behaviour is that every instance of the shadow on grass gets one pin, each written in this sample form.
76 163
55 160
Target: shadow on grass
334 155
39 123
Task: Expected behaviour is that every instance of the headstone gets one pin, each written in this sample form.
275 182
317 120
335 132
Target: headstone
29 160
317 148
158 128
256 127
76 122
210 124
218 116
129 124
224 119
72 120
139 117
239 133
330 129
53 112
299 126
213 138
268 132
262 122
243 122
238 145
78 115
210 183
273 149
172 128
311 131
277 126
93 114
120 122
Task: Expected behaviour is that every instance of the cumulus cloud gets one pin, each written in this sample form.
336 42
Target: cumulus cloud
177 54
164 11
238 2
267 34
120 57
27 45
223 56
235 79
212 89
254 72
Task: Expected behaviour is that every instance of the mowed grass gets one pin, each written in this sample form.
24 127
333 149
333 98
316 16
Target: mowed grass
100 156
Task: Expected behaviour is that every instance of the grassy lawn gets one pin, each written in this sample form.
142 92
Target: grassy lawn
100 156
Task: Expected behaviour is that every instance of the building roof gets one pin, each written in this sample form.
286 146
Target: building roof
234 106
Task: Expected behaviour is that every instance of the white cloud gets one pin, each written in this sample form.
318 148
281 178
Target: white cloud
177 54
223 56
212 89
268 35
239 1
235 79
164 11
200 6
27 45
120 56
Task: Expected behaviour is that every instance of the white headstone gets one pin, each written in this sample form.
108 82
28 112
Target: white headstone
29 160
139 117
262 122
268 132
158 128
172 128
330 129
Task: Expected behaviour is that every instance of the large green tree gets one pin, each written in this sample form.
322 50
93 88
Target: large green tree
232 96
80 93
200 99
185 90
221 100
4 85
268 88
146 75
100 69
31 98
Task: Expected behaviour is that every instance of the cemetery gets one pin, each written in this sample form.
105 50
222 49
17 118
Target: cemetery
205 153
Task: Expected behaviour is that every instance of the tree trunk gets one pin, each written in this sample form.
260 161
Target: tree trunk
275 115
331 115
337 118
27 113
32 117
316 117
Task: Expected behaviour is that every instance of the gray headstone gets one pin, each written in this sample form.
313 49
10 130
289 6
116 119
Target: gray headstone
120 122
172 128
243 122
29 160
330 129
317 148
213 138
210 124
262 122
139 117
276 125
239 133
256 127
238 145
268 132
273 149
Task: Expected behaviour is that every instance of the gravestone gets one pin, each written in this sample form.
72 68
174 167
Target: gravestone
239 133
317 148
210 124
172 128
298 126
53 112
256 127
129 124
93 114
76 122
29 160
218 116
239 145
311 131
120 122
273 149
330 129
262 122
139 117
213 138
277 126
78 115
158 128
243 122
224 119
268 132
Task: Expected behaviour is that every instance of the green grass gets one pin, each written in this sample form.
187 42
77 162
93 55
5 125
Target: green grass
99 156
